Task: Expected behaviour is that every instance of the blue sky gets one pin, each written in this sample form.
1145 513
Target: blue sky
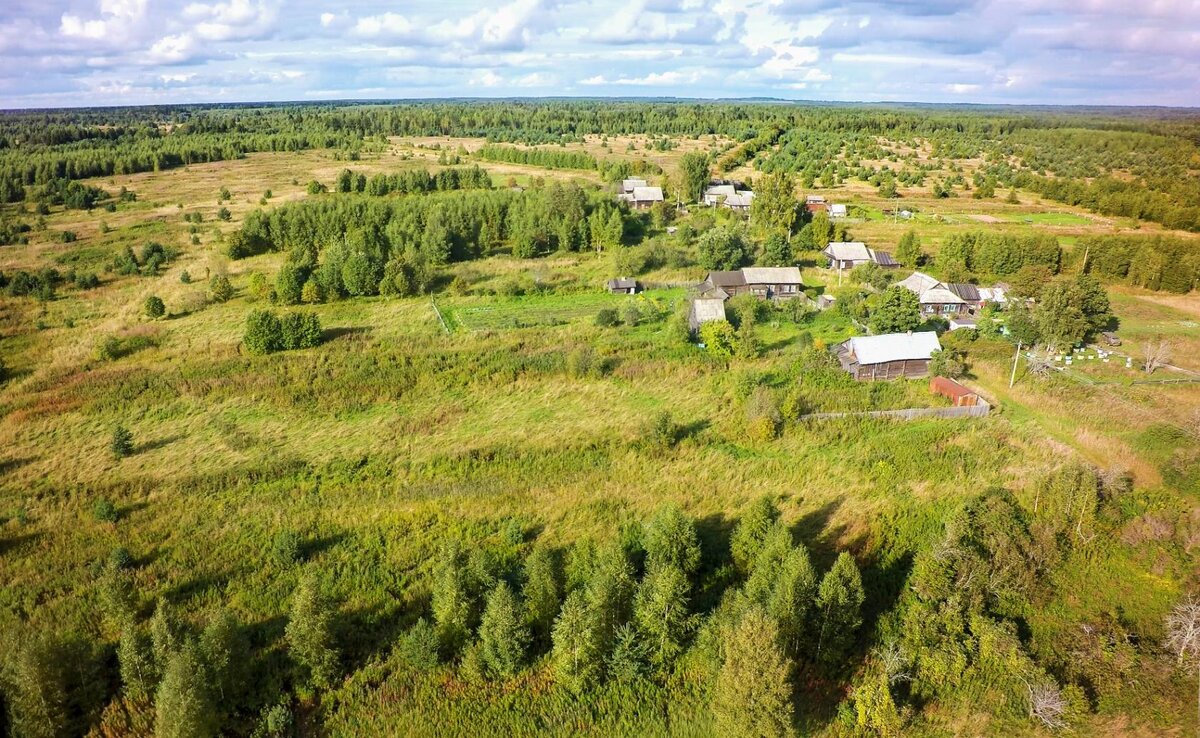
112 52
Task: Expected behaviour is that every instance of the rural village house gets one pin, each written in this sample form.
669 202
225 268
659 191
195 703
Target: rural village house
730 195
623 286
770 283
849 254
814 204
890 356
837 211
638 194
953 298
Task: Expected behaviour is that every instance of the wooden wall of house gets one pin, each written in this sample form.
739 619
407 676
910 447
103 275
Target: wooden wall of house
893 370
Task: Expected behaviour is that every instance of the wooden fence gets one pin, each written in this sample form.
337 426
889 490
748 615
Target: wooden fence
911 413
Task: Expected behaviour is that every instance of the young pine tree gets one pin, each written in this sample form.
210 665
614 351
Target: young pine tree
121 444
310 634
503 638
753 693
451 601
166 633
839 609
793 599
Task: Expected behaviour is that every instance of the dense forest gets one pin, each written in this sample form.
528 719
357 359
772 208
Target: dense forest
1073 157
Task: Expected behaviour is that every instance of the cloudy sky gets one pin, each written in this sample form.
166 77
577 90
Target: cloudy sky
111 52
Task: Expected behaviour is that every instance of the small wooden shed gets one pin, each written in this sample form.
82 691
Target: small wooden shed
960 395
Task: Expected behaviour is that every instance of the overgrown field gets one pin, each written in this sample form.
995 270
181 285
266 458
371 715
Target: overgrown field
548 511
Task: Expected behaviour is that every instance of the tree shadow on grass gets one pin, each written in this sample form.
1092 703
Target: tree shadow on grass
159 443
11 465
814 531
14 542
716 573
693 429
319 544
333 334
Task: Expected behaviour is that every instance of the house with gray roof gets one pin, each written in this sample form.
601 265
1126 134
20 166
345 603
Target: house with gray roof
949 298
849 254
705 309
642 197
889 356
771 283
623 286
728 194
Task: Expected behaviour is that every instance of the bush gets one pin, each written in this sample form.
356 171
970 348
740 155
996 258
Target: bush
264 332
607 318
285 548
225 215
220 289
300 330
120 557
662 432
68 236
121 444
185 277
104 510
154 307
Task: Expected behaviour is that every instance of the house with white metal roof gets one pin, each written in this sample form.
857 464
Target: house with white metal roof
849 254
890 356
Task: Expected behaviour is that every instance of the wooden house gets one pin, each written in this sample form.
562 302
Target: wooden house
771 283
849 254
890 356
623 286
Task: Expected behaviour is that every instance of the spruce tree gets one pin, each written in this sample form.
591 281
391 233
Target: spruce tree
310 634
121 444
184 706
503 638
793 600
839 608
451 601
752 695
541 592
661 613
577 644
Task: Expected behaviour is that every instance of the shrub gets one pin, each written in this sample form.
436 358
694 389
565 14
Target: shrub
311 292
220 289
185 277
662 432
104 510
264 332
119 557
225 215
69 236
260 289
285 548
607 318
121 444
289 284
154 307
418 647
718 338
630 314
763 419
300 330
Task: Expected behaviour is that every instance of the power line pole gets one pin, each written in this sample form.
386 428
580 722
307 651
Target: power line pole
1016 358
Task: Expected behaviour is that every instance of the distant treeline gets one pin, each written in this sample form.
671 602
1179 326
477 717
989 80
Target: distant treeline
413 181
539 157
1068 156
1153 262
997 254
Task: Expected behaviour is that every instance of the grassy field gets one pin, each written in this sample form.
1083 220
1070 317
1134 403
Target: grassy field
395 435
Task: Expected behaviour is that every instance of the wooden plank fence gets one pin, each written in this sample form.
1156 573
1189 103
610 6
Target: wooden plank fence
911 413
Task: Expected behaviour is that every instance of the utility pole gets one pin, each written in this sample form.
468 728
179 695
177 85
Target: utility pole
1016 358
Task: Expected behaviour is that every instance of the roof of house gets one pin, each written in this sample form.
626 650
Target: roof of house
837 209
726 279
993 294
919 282
847 251
739 200
894 347
647 194
814 199
771 275
940 296
883 258
965 290
628 185
705 309
624 283
721 190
